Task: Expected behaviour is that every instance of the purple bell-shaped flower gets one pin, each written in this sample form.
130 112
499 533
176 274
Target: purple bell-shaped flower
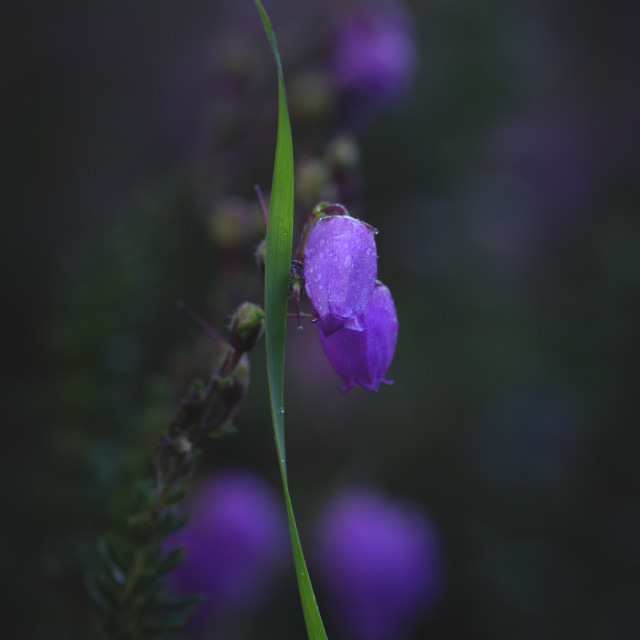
363 357
234 541
374 53
381 563
340 267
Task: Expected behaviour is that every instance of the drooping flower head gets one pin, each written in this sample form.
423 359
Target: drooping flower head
363 357
380 561
340 267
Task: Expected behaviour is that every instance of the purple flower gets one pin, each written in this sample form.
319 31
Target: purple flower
375 55
340 266
236 535
380 563
363 357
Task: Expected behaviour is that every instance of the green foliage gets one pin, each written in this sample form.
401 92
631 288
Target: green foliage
126 583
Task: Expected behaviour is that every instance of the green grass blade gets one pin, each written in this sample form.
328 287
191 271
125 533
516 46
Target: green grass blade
278 259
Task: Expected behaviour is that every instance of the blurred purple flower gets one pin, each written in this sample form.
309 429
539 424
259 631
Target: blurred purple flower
363 357
236 535
340 266
375 55
380 562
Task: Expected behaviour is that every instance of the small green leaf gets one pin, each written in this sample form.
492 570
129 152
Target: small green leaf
277 264
177 495
170 561
115 572
105 603
139 528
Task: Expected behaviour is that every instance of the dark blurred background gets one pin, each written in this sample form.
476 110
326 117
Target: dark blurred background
494 146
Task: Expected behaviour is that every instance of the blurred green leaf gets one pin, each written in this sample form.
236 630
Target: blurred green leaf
170 561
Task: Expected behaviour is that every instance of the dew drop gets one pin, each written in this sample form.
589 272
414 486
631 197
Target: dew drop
281 409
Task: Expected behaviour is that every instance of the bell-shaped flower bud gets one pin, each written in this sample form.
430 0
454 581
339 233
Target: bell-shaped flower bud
363 357
340 267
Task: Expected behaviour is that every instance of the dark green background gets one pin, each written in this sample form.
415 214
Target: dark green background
513 417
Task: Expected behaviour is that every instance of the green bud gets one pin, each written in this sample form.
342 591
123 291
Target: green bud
232 223
247 326
311 180
343 154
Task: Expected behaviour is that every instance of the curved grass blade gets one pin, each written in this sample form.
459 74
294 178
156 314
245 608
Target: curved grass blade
277 265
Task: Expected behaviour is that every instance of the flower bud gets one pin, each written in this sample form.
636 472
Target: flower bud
247 326
363 357
232 223
343 153
340 266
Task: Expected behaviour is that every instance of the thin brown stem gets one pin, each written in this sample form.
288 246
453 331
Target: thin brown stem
262 205
203 324
226 369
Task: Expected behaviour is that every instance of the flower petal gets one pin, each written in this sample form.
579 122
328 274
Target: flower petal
363 357
340 267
